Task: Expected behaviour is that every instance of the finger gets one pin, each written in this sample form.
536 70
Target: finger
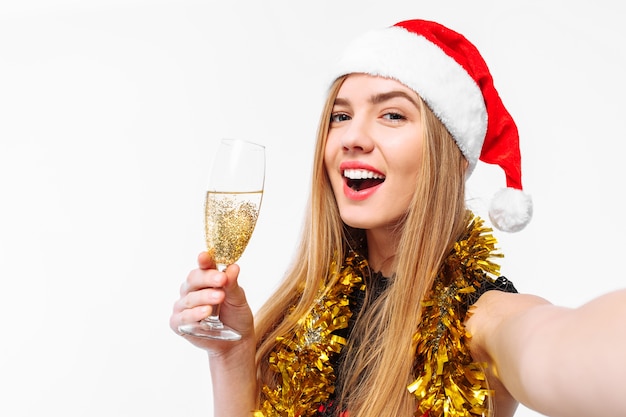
200 278
184 288
193 315
207 296
206 261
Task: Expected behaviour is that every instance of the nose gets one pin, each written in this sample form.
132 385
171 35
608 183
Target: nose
357 137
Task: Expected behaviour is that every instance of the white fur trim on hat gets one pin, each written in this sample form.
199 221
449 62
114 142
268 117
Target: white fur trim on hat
449 91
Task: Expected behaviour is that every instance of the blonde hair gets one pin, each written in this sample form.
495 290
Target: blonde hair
380 359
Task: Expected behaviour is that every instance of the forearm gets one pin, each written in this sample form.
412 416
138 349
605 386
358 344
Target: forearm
565 362
233 379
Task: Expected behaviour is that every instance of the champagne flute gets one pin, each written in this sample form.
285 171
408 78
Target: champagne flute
232 204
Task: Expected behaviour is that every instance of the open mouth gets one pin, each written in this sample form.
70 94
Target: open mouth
361 179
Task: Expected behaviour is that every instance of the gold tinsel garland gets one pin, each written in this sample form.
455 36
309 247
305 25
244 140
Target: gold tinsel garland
303 359
449 383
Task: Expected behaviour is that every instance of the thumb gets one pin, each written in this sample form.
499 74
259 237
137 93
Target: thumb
235 295
232 276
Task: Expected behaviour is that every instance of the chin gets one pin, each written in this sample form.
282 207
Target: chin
357 222
368 222
361 222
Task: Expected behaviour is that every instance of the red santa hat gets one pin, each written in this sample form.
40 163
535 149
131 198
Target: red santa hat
450 75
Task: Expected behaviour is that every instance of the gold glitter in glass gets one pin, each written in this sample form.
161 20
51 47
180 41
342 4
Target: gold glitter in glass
229 222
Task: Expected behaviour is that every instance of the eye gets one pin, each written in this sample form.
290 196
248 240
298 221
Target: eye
339 117
393 116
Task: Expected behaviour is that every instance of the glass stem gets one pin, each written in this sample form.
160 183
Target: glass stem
214 319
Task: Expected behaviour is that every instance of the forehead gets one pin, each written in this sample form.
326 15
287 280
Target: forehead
366 85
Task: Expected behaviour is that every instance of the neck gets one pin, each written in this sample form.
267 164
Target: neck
381 250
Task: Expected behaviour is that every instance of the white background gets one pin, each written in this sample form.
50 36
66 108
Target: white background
110 111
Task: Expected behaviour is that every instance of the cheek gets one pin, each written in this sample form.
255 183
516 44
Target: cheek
330 153
331 166
412 166
409 167
327 160
405 155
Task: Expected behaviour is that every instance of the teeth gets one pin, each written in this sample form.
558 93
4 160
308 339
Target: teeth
361 174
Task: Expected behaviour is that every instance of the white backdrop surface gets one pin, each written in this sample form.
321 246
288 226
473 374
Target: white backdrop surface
110 111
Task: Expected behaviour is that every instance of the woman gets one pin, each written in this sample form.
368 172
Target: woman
388 308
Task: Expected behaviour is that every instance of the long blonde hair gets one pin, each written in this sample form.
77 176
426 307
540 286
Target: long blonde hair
381 360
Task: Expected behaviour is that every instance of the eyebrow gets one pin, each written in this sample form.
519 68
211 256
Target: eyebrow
382 97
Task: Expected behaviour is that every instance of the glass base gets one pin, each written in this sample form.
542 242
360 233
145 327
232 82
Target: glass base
210 330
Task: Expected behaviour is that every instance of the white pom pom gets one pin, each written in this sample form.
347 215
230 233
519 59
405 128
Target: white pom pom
510 210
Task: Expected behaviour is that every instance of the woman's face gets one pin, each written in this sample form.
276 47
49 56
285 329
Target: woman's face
374 149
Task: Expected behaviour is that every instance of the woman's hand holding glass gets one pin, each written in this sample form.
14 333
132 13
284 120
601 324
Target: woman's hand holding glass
205 288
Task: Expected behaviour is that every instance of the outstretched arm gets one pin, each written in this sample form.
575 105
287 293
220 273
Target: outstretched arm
559 361
233 371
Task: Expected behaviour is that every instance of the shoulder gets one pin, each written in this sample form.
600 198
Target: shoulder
493 308
493 315
495 305
485 319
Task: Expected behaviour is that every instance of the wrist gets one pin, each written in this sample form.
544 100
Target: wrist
233 375
232 352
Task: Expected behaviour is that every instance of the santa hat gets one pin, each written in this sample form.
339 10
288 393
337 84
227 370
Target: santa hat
449 74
